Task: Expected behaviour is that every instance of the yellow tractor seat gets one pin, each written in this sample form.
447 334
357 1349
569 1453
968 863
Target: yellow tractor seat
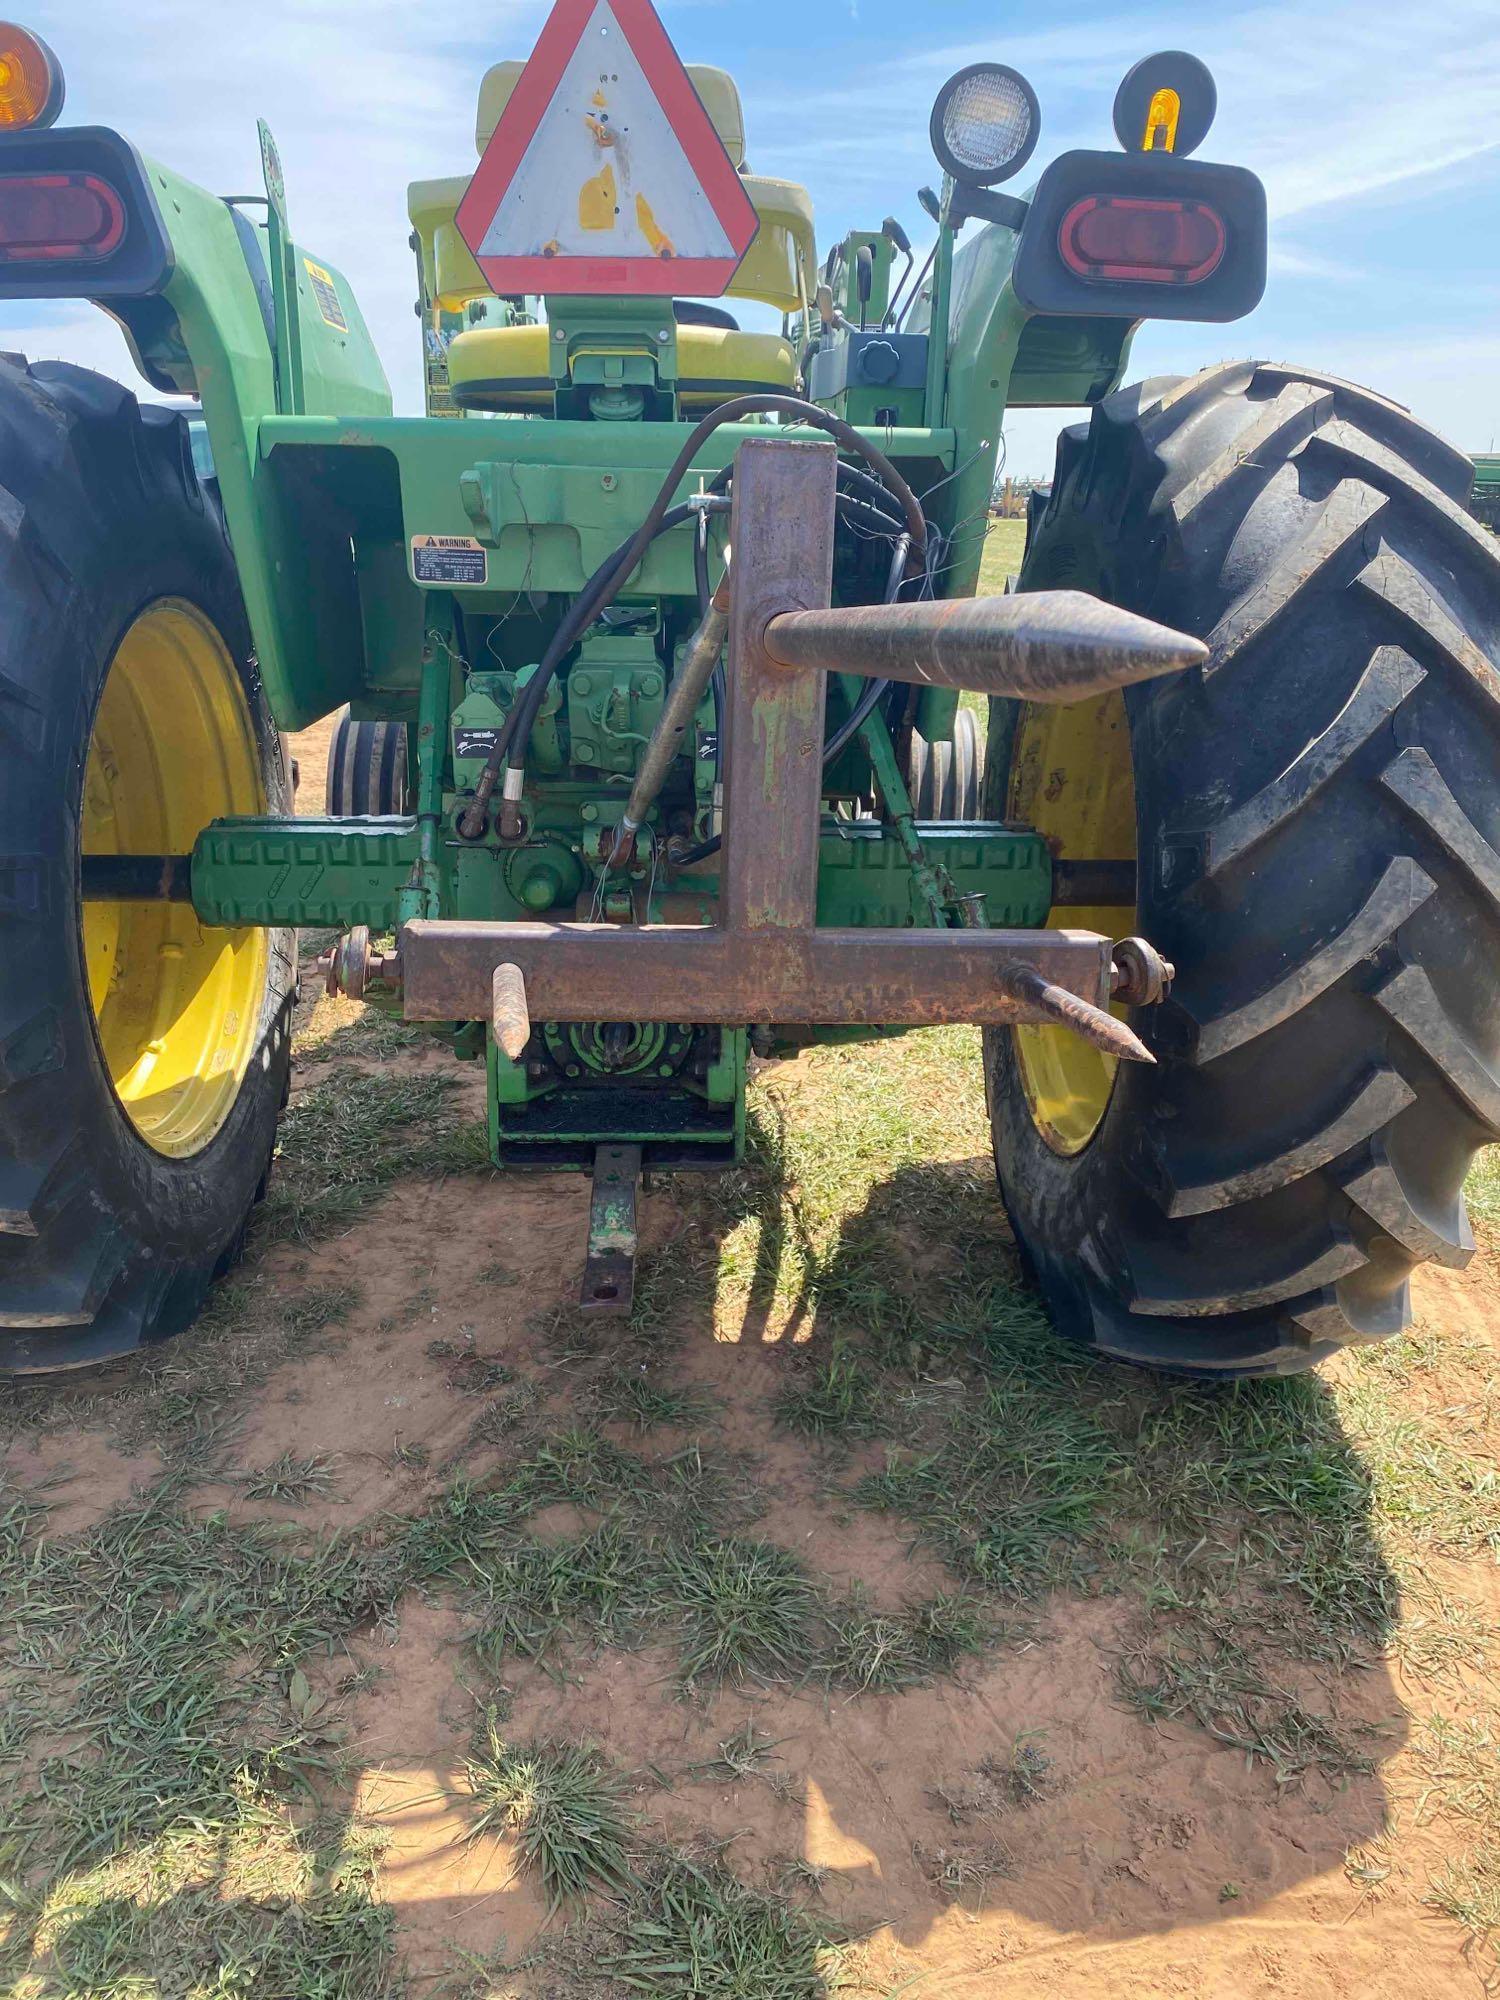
716 88
506 367
779 269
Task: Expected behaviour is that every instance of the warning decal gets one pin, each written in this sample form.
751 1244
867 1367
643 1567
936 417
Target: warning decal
449 559
326 292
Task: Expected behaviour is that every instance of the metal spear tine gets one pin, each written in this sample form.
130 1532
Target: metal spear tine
510 1015
1043 645
1034 989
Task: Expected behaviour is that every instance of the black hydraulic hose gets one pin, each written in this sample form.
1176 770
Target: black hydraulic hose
700 564
602 587
716 679
879 689
608 579
873 490
874 519
873 694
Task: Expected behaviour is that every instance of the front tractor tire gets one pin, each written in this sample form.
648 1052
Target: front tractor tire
1314 819
143 1059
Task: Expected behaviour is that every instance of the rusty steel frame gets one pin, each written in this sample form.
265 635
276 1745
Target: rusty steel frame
767 960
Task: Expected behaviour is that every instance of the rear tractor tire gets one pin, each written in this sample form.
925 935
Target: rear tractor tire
947 778
366 768
1314 823
143 1059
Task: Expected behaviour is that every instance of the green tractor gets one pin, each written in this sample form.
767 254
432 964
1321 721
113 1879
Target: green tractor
1486 500
651 635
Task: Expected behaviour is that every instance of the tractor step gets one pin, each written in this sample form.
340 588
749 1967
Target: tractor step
609 1266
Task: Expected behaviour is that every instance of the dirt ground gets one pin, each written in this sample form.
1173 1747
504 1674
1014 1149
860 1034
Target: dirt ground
1011 1825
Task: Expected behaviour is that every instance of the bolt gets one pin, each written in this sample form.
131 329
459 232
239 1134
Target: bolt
583 753
559 333
582 684
588 811
650 684
663 334
1139 975
608 481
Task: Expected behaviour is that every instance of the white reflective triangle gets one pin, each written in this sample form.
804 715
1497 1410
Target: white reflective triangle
605 175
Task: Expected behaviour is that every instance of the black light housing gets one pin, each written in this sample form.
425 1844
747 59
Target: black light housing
985 124
78 218
1143 236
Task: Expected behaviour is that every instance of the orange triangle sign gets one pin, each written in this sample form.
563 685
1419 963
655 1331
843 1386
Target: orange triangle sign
605 173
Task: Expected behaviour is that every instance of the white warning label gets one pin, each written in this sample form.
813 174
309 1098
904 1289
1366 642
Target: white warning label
449 559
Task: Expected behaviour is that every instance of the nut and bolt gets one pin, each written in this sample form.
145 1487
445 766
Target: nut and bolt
352 968
1139 975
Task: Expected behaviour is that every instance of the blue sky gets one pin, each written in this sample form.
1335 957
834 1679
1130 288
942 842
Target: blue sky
1376 128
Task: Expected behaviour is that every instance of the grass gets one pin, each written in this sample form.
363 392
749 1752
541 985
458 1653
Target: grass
174 1719
353 1134
663 1566
835 1398
1467 1889
288 1479
744 1610
179 1803
648 1401
1230 1695
1482 1191
561 1807
886 1652
1004 547
701 1933
671 1924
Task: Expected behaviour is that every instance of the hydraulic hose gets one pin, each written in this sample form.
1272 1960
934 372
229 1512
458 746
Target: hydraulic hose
853 722
602 587
511 745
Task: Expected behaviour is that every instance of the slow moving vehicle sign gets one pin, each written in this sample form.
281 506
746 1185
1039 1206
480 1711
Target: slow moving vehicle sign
604 173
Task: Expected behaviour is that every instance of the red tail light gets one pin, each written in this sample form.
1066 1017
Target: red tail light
51 218
1134 241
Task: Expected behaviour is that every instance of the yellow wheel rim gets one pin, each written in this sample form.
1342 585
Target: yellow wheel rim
1071 778
177 1007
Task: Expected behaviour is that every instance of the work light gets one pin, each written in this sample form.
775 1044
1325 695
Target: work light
31 80
985 124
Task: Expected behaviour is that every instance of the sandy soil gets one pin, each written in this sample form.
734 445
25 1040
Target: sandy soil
1161 1863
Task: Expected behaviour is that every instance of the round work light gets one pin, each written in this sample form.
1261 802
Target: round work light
985 124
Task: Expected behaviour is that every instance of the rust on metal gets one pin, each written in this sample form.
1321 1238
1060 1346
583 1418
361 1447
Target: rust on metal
352 967
1043 645
1139 975
704 972
781 532
510 1016
694 671
609 1263
1052 1002
1090 883
136 878
766 960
